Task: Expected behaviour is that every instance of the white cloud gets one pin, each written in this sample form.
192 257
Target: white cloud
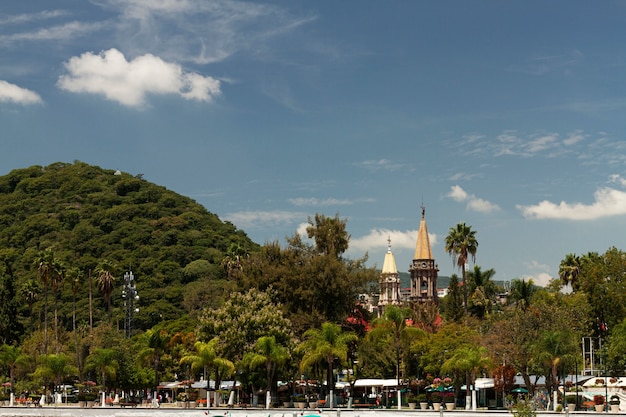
30 17
377 239
511 143
615 178
380 165
473 203
252 219
481 206
541 279
15 94
541 143
312 201
608 202
200 31
64 32
573 138
301 201
128 82
301 230
457 193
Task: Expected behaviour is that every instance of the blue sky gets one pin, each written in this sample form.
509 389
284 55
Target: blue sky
506 115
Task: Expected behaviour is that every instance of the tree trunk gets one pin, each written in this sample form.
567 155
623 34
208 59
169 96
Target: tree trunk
464 290
90 304
45 321
76 347
56 325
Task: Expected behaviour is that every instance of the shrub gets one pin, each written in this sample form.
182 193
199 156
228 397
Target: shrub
412 398
524 409
448 397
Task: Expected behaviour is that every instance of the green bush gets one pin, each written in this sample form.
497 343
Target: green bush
524 409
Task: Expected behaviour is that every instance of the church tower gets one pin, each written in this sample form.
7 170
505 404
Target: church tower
423 270
389 282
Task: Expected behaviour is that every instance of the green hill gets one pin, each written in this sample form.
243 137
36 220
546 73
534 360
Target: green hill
85 214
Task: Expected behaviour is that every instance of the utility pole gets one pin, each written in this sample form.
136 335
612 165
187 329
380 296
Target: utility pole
130 295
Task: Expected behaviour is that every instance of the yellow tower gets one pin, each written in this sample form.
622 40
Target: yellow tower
423 270
389 281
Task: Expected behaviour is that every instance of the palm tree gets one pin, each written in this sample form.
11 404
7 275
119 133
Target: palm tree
555 349
157 341
269 354
11 357
569 270
56 280
460 244
233 260
206 359
471 360
482 290
393 323
55 367
105 362
45 264
30 292
106 282
522 292
323 347
75 275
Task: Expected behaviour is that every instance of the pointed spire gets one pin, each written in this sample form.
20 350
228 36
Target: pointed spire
389 264
422 247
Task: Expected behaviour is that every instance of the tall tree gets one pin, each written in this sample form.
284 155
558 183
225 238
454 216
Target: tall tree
56 281
157 341
556 349
10 327
469 360
329 233
270 355
453 302
206 360
569 269
55 368
11 357
45 263
603 280
435 349
30 292
482 290
104 361
394 324
325 346
106 282
461 244
75 276
242 320
616 346
522 292
234 258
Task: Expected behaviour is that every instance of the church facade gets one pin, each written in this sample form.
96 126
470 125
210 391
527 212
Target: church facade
423 271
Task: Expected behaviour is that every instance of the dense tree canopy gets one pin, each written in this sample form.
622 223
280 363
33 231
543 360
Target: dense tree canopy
77 216
212 301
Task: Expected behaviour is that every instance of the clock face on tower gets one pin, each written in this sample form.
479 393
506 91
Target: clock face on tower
423 264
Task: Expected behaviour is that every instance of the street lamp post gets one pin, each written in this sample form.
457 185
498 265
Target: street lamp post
130 295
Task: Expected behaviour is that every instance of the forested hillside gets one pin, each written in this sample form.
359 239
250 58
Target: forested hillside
91 220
